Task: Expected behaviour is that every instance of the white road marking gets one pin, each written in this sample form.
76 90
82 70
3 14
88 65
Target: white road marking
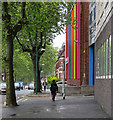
19 100
24 100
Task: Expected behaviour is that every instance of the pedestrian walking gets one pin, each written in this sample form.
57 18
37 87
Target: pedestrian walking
44 84
53 89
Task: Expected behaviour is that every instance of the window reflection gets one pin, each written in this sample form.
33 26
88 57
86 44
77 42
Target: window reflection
106 58
103 64
110 55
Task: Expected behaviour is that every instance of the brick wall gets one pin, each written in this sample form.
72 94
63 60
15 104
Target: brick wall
73 82
84 44
81 44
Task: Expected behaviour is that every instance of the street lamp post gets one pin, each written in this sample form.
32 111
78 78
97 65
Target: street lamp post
63 80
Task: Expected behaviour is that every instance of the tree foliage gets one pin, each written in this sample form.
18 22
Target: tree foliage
23 68
48 59
44 21
51 78
34 25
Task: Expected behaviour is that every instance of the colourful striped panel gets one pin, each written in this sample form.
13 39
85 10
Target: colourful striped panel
67 50
66 54
70 51
76 44
69 54
72 46
75 48
78 39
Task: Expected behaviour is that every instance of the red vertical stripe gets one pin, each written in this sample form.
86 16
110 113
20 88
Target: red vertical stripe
76 46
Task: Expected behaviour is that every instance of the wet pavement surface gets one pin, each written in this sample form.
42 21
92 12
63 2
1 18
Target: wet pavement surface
44 107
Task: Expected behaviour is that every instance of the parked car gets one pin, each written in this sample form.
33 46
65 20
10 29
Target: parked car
31 86
17 86
3 88
60 83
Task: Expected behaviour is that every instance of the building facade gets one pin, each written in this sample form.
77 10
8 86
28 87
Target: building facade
77 46
59 71
104 56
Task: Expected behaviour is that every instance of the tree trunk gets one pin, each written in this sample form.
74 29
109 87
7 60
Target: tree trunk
38 75
10 92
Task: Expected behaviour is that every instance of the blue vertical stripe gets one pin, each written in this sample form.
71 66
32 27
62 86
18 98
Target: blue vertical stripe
91 48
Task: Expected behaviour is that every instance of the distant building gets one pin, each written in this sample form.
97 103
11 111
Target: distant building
59 71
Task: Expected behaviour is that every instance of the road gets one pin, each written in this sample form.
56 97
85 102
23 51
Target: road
19 94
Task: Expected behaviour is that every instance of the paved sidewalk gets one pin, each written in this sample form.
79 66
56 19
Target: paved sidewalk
43 94
44 107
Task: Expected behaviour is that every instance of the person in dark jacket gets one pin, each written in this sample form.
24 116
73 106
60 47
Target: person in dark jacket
53 89
44 84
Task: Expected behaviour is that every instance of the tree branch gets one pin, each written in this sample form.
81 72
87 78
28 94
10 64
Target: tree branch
20 23
23 10
41 53
23 47
30 39
41 35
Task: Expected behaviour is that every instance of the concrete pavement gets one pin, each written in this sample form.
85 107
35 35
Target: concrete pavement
41 106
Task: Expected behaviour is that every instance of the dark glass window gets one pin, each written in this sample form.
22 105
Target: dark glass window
90 18
94 13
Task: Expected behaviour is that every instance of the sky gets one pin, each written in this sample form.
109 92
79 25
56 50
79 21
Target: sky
57 42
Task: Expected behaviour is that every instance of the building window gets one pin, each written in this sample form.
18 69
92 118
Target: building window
106 5
102 15
98 22
90 18
103 66
110 55
97 65
101 61
106 58
94 13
